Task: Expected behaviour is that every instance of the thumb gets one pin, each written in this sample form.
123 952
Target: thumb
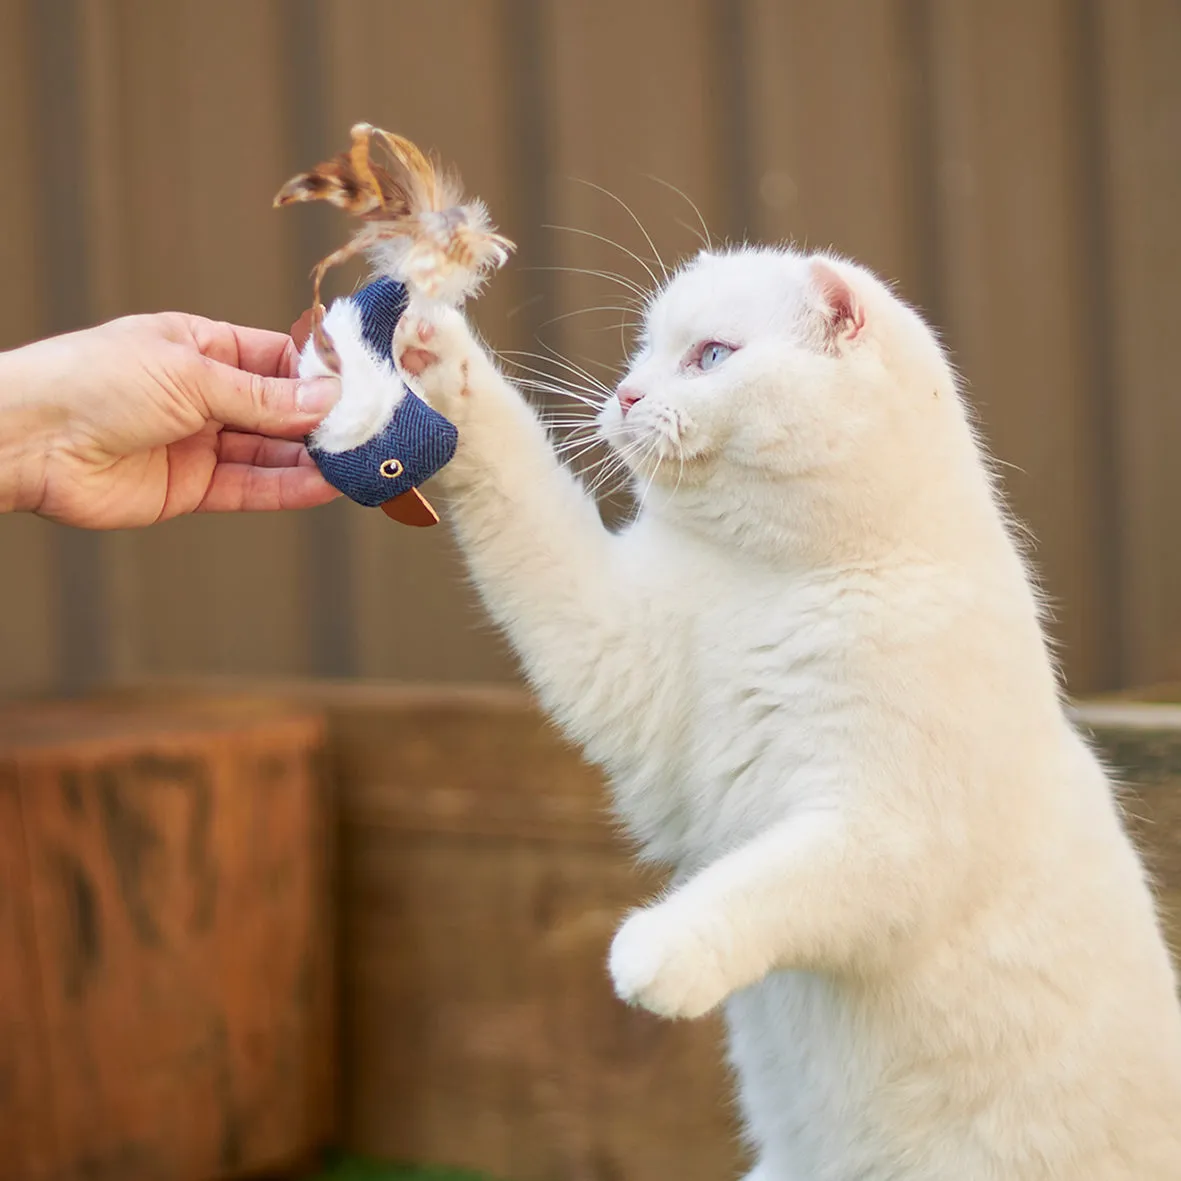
283 407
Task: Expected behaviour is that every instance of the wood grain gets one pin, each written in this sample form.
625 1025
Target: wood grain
481 886
177 890
1014 166
28 643
1141 741
1140 141
481 882
198 121
28 1135
372 56
1016 239
858 198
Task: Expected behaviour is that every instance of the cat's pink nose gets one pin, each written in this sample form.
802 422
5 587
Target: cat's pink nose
628 397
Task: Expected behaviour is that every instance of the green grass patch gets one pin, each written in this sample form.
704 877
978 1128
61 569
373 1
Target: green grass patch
351 1168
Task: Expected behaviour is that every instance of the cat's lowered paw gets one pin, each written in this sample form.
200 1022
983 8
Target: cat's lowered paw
661 960
435 352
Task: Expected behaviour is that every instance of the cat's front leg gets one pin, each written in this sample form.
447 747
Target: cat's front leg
814 893
672 962
546 567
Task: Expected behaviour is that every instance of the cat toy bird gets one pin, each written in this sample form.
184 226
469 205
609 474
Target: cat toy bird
423 241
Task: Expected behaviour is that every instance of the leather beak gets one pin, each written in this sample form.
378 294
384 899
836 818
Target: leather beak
411 508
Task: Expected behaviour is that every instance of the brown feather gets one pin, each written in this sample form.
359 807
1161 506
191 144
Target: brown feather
416 226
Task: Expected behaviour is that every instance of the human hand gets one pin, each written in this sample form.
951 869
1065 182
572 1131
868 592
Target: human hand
148 417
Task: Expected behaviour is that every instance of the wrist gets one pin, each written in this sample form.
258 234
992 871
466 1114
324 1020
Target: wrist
27 427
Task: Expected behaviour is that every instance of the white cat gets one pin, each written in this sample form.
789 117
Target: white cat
814 671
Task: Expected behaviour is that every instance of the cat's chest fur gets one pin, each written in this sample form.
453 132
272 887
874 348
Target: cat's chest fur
745 685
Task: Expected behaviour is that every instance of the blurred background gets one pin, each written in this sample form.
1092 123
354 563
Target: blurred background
418 885
1015 165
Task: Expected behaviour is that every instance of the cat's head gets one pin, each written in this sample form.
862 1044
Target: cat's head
766 371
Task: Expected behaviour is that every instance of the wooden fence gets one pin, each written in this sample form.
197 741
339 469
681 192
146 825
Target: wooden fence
1014 164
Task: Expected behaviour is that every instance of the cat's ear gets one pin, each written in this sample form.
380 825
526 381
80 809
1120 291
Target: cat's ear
840 308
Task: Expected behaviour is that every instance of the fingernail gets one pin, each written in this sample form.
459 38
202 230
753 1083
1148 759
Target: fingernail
318 395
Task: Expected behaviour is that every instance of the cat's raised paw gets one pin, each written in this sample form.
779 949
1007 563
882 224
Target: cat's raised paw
661 961
433 351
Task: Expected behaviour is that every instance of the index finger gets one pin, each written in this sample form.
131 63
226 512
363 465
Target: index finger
255 350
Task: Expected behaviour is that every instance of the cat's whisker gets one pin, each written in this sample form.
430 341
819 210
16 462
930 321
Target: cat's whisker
615 371
584 312
580 413
572 449
567 403
614 276
680 470
705 236
573 423
611 242
610 464
625 454
550 358
572 439
553 357
586 398
597 387
518 308
644 495
598 488
631 213
572 365
680 221
571 459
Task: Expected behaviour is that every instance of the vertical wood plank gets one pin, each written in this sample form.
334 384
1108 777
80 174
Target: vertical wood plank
28 600
22 296
1015 233
56 44
834 158
1140 103
651 114
28 652
202 153
325 532
638 133
946 145
28 1136
416 616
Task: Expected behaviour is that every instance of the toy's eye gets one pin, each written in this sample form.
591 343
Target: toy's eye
713 354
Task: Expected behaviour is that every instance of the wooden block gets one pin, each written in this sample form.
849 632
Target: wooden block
1141 741
175 997
27 1134
481 884
481 881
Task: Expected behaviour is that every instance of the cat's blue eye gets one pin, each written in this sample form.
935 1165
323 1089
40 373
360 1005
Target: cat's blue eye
712 355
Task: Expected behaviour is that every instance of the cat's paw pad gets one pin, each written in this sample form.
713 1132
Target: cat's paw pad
660 961
433 352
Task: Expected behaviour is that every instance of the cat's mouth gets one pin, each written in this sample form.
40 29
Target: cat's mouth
651 435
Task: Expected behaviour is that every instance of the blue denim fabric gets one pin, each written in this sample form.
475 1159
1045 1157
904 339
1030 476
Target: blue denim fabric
413 445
